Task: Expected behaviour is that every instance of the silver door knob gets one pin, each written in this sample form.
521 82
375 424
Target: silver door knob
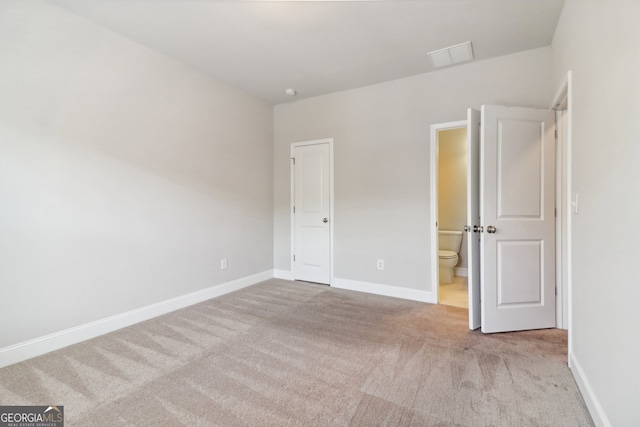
491 229
325 220
467 228
477 229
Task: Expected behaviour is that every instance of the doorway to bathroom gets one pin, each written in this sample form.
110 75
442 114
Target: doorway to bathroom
451 166
509 181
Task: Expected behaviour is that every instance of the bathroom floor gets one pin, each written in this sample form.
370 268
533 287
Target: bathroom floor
455 293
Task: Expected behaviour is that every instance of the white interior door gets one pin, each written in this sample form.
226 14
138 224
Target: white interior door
473 216
517 202
311 213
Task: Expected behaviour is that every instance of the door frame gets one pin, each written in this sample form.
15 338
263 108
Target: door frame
433 154
294 145
562 104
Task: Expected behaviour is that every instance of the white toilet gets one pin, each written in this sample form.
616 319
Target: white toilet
450 242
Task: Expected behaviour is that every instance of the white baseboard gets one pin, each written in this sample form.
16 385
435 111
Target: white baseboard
37 346
379 289
461 271
593 404
283 274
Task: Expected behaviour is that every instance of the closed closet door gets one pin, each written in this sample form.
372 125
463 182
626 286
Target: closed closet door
312 232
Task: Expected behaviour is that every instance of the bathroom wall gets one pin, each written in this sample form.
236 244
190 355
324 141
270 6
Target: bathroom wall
125 176
452 184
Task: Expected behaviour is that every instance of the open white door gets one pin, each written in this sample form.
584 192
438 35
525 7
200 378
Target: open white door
517 202
311 211
473 215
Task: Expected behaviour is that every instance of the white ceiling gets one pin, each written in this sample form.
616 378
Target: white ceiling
318 47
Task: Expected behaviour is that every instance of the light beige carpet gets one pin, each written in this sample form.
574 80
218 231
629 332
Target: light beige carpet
295 354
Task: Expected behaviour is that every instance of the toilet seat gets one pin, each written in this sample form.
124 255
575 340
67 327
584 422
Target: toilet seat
447 255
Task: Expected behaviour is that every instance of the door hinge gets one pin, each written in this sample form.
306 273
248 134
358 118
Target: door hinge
556 133
294 258
294 160
555 212
294 209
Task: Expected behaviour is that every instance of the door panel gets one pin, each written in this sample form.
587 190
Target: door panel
473 216
310 252
519 272
519 167
311 166
312 235
518 199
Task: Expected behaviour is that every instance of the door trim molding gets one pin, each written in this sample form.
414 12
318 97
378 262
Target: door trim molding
563 101
433 201
328 141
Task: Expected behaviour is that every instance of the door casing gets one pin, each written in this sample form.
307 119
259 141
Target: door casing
562 103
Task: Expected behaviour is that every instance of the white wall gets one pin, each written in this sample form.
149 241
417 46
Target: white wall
598 41
124 176
382 159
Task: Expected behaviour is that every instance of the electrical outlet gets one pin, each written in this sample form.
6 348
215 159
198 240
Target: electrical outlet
223 264
380 264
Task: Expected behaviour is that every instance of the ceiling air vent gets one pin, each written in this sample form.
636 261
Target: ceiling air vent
451 55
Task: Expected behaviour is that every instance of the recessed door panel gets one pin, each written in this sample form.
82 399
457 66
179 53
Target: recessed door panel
310 252
520 273
312 182
520 148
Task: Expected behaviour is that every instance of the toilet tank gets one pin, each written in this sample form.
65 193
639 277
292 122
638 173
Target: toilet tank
450 240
